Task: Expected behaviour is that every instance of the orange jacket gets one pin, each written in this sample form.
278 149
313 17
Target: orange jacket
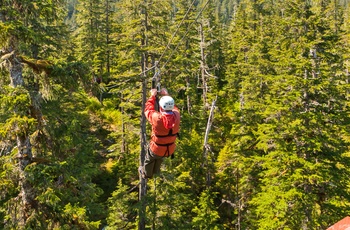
162 139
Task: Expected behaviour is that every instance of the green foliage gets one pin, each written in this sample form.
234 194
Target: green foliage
189 159
278 148
8 187
32 25
14 114
78 216
285 113
122 208
171 198
207 215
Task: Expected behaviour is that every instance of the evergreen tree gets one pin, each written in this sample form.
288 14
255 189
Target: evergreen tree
44 146
285 114
248 69
90 40
19 23
139 41
226 10
122 208
306 153
272 154
207 216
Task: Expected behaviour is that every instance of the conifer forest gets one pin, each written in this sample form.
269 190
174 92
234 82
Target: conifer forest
263 87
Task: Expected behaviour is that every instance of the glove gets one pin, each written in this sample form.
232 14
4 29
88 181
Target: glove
164 92
153 92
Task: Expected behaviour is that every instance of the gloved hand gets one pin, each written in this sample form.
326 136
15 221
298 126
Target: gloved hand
164 92
153 92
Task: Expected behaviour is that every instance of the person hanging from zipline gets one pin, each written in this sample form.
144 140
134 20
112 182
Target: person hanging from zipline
165 129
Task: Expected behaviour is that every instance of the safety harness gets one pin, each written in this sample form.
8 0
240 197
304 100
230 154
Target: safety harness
156 85
170 134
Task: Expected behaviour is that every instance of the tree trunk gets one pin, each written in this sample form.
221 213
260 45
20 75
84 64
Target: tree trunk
123 146
15 66
143 182
203 66
206 147
189 106
26 195
24 157
107 37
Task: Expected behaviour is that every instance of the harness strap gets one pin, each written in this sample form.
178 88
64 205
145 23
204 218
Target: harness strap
164 144
170 134
176 134
167 152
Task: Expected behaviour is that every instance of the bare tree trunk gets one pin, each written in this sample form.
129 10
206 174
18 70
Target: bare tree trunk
26 195
107 37
204 76
206 147
143 182
24 157
203 66
189 106
123 146
239 203
15 66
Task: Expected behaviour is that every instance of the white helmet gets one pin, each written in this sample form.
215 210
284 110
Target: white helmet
167 103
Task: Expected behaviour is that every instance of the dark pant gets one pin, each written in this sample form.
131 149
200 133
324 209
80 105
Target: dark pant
152 164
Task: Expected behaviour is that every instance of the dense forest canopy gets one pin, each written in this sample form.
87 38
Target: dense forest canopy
263 89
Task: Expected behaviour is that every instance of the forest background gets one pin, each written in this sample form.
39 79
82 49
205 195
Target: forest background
262 85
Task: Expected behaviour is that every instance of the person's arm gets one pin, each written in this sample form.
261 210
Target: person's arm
149 106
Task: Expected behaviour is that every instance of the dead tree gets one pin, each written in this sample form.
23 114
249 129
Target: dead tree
206 146
144 64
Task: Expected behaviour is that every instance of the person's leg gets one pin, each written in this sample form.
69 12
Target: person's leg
152 164
157 163
149 164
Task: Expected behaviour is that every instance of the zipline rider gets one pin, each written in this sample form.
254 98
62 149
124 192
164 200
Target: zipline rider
165 129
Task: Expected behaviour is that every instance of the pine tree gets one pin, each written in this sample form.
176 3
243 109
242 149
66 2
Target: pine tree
19 23
45 149
287 99
226 10
279 132
139 39
207 215
247 71
316 114
89 36
122 208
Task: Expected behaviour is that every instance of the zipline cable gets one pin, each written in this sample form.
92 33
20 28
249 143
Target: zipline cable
178 26
188 29
172 37
173 50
